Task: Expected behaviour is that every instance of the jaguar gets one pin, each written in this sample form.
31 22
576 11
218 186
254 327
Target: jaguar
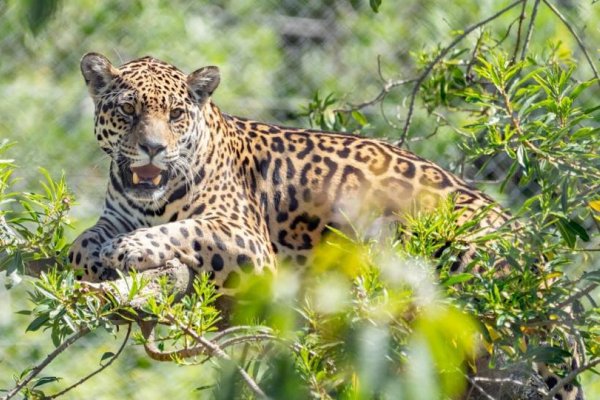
231 196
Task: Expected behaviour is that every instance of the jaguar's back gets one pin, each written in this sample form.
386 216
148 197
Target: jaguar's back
307 180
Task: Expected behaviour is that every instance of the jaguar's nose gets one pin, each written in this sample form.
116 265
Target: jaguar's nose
152 148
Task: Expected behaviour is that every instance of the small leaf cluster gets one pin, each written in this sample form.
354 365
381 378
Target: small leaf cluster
323 116
32 225
196 311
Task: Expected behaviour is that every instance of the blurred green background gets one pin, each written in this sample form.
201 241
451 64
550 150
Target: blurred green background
273 56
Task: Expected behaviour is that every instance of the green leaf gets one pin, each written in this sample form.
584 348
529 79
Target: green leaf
564 199
107 355
523 158
581 87
14 273
38 13
457 278
547 354
37 323
359 117
46 379
579 230
443 90
593 276
585 132
566 232
375 4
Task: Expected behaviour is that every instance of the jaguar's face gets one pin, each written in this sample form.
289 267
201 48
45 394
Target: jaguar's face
148 119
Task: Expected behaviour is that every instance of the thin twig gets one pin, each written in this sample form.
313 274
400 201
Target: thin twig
214 349
519 30
38 368
583 292
530 29
440 56
187 352
97 371
474 57
246 339
506 35
569 378
387 87
479 388
238 328
504 380
576 36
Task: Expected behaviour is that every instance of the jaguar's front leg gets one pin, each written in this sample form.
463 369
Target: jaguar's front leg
224 249
84 254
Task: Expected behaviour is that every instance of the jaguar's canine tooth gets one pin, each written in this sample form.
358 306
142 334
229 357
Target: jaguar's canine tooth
136 178
156 180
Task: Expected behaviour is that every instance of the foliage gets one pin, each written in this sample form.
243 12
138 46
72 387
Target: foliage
372 317
31 224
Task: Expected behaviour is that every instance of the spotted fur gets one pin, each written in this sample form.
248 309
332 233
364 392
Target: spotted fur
228 195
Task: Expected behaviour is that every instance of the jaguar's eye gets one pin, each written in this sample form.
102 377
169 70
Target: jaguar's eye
175 113
127 108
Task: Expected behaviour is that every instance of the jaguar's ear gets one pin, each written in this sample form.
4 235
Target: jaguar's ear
203 82
98 72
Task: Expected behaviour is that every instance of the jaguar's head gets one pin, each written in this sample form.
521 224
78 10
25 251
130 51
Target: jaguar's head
149 119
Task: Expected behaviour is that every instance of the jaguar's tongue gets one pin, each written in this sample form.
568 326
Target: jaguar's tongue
147 174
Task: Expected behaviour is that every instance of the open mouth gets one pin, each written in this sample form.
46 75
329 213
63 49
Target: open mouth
146 177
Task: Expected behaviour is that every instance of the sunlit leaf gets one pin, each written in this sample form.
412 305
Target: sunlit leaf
458 278
360 118
595 205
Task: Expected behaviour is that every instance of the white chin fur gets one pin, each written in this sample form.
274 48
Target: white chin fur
146 196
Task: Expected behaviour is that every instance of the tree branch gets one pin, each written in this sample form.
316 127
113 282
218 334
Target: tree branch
179 276
519 30
387 87
439 57
577 295
36 267
214 349
569 378
97 371
576 36
38 368
530 29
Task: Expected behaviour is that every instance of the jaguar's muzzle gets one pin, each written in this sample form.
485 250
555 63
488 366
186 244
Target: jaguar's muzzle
146 177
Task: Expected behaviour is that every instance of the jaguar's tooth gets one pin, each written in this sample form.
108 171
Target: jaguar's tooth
136 178
156 180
